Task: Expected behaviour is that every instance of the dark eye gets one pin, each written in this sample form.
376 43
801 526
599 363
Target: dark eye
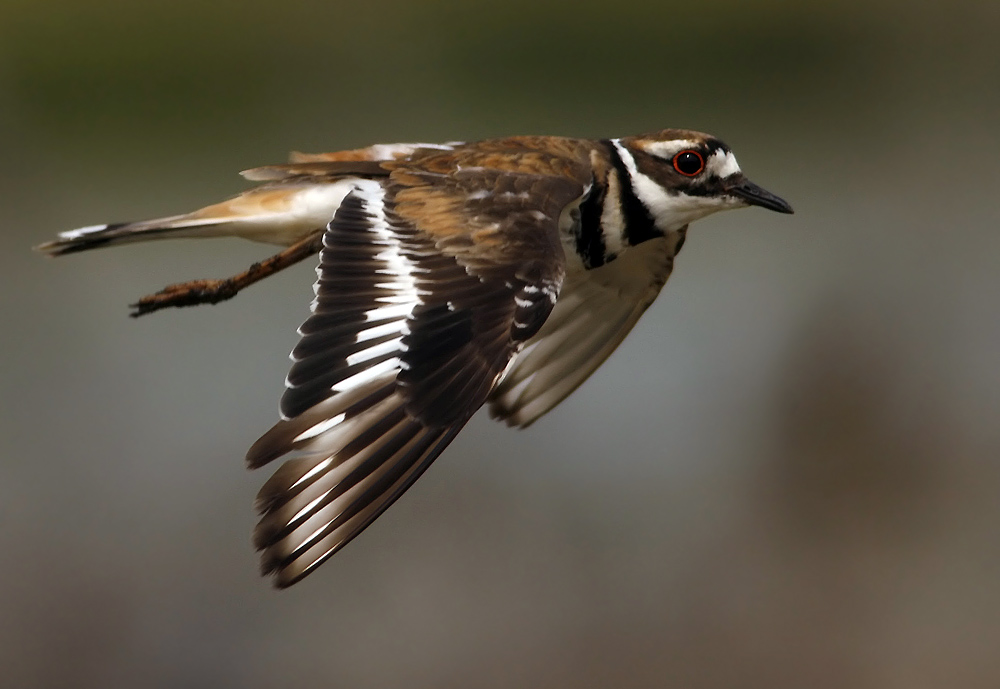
689 163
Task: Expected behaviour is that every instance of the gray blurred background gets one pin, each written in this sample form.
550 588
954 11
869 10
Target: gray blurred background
788 476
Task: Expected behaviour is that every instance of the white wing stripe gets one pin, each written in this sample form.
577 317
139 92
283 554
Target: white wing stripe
394 345
322 427
368 375
377 331
320 467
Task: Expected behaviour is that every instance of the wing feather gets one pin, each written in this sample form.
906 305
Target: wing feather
595 311
343 479
411 328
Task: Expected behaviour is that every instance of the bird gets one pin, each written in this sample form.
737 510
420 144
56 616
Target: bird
453 276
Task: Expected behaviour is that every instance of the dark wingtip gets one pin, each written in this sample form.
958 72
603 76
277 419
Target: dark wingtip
269 446
61 247
83 239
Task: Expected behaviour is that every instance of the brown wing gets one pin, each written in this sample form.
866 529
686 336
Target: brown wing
493 264
366 162
425 292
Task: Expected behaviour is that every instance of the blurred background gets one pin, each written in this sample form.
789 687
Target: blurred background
788 476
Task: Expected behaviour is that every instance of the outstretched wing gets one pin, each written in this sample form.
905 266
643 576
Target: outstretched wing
425 292
596 310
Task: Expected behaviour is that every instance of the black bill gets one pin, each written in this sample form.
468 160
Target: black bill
757 196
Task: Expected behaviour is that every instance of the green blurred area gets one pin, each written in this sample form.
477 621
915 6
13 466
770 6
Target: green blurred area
120 80
786 477
402 68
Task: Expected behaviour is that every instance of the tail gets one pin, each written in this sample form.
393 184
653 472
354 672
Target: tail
281 214
96 236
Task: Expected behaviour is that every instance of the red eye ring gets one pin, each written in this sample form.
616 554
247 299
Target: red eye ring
689 163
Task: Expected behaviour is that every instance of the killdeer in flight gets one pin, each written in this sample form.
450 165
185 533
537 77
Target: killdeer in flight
501 272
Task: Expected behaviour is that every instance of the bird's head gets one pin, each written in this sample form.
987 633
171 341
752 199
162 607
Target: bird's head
681 176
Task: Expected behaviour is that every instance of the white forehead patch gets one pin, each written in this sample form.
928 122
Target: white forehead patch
668 149
723 164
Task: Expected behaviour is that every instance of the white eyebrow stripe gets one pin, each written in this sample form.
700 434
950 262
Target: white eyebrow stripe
668 149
